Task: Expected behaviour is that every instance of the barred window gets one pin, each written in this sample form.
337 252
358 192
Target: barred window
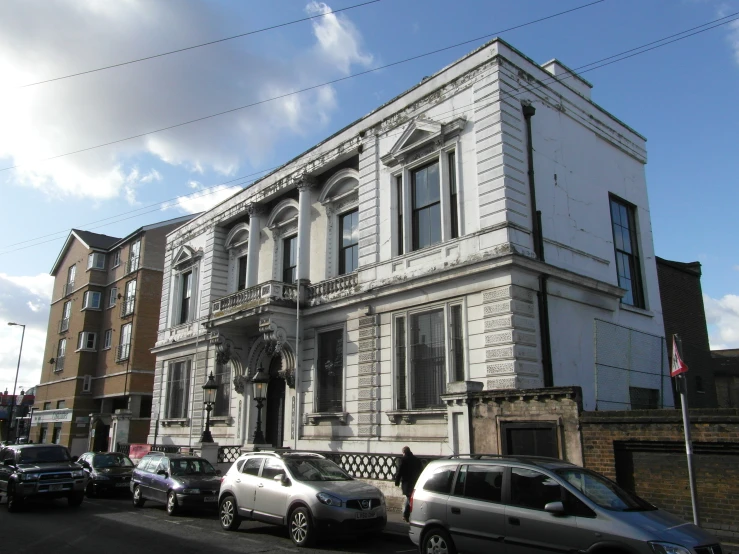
223 394
429 352
330 371
178 388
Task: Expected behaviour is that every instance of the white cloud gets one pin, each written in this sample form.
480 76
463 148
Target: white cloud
732 34
338 38
202 199
44 40
722 316
23 299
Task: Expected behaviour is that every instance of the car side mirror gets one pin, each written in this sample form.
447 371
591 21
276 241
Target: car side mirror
555 508
218 472
75 458
283 479
9 462
162 472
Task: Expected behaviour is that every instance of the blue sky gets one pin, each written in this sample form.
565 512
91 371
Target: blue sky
681 97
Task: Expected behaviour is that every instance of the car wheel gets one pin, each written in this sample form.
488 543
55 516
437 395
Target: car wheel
138 497
75 499
437 541
301 527
229 514
172 506
14 502
90 490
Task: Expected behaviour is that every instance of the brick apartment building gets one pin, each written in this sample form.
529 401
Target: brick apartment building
97 379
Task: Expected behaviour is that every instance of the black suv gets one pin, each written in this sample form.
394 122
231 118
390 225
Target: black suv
176 481
39 471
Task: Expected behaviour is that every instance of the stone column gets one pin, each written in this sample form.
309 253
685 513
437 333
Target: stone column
256 213
304 202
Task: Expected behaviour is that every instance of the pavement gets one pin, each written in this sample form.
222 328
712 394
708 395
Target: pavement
396 527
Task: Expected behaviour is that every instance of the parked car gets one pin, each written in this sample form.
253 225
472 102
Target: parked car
106 472
175 480
308 493
39 471
476 503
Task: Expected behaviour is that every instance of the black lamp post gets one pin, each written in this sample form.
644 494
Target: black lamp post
259 391
210 388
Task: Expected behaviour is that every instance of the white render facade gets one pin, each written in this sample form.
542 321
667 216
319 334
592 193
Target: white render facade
411 240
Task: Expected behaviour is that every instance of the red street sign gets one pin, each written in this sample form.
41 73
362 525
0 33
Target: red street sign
678 365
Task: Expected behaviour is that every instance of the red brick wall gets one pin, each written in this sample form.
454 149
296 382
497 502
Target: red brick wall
645 452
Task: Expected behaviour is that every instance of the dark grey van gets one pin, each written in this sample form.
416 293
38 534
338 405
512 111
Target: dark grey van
528 505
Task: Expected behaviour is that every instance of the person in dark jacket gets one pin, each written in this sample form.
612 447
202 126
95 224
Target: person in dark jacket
409 469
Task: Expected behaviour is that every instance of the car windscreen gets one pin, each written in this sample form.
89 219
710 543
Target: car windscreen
316 469
604 492
191 467
111 460
44 455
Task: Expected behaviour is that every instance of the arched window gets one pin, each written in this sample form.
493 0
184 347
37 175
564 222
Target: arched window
237 243
341 198
283 221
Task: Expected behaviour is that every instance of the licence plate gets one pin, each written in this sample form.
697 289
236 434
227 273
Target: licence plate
121 484
210 499
366 515
53 488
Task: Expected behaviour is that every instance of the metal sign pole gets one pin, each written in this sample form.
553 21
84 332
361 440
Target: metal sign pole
683 386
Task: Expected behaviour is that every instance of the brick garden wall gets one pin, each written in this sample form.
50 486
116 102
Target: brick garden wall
645 452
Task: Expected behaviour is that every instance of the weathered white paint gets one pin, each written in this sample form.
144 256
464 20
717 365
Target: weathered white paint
473 108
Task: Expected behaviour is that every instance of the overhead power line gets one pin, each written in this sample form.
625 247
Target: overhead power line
306 89
623 55
185 49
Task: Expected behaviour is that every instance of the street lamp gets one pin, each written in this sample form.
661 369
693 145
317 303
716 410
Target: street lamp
12 406
259 393
210 388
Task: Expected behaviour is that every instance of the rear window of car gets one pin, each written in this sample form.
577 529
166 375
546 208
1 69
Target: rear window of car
440 479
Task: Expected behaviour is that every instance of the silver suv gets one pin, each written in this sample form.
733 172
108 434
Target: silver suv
528 505
305 491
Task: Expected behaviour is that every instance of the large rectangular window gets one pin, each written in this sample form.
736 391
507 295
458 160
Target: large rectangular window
349 245
185 297
223 394
426 203
429 353
56 437
66 314
453 202
91 300
242 273
330 371
86 340
290 260
178 387
627 252
61 352
96 260
134 257
129 299
124 347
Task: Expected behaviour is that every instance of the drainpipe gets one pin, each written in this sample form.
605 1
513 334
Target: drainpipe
546 345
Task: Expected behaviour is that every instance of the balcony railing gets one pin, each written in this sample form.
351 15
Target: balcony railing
68 288
64 325
132 265
123 352
59 364
341 284
271 291
127 305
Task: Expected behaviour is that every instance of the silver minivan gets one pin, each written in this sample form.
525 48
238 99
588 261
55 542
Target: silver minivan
305 491
529 505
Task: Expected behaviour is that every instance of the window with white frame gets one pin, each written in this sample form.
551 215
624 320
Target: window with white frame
628 267
330 371
87 383
237 244
71 272
184 297
425 206
91 300
349 242
124 346
241 273
86 340
340 196
96 260
61 352
107 339
222 377
134 256
290 260
129 298
66 314
116 258
178 387
112 297
429 353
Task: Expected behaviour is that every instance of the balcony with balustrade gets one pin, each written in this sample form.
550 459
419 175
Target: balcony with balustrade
132 265
127 305
123 352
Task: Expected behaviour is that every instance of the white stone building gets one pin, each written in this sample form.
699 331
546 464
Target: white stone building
424 264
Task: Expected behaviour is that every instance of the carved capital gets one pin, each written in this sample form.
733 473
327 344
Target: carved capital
305 182
255 210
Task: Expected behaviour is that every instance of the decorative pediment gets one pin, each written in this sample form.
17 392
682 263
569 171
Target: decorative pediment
283 213
422 133
185 256
342 184
238 236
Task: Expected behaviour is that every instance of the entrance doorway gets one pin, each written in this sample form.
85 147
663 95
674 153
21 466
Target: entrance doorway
275 404
100 441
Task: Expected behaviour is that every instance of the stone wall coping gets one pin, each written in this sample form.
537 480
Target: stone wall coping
526 394
666 415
